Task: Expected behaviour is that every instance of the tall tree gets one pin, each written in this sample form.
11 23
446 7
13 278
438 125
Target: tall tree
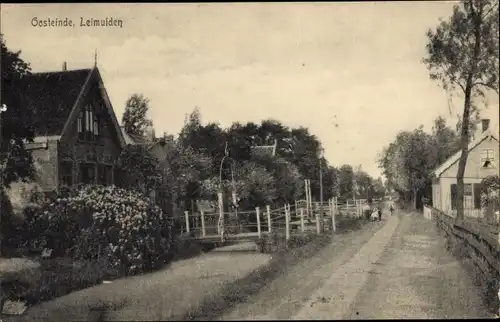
407 163
135 118
446 141
462 53
346 177
364 183
17 120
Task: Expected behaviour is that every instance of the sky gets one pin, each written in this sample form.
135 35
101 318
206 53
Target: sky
351 72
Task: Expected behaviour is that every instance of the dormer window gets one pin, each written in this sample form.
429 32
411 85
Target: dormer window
487 158
88 124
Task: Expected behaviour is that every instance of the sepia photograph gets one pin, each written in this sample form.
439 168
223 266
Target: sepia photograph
249 161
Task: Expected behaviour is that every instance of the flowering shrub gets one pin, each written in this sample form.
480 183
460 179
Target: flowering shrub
94 221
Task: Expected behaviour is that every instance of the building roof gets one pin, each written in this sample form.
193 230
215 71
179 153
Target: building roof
269 150
136 139
52 96
455 157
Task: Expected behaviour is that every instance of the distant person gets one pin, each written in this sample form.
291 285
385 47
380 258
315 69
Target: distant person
391 206
366 210
379 212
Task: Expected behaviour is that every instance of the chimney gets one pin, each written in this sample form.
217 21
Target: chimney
485 124
64 67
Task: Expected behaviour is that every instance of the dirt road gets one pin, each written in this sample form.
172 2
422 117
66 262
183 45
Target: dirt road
395 269
286 295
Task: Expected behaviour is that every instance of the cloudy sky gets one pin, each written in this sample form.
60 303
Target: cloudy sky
352 64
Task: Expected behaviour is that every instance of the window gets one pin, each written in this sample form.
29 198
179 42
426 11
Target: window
66 173
487 158
80 123
96 126
468 190
105 174
87 173
467 193
88 124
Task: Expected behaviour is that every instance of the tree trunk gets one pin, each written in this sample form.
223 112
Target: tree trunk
464 146
464 137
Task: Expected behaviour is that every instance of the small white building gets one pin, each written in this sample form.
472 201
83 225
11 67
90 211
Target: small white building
482 161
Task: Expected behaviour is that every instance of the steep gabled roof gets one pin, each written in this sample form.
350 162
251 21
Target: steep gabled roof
455 157
52 96
55 96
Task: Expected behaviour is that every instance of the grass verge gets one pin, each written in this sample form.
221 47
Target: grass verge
56 277
488 283
285 255
52 278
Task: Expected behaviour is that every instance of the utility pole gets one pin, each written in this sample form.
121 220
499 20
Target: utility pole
321 178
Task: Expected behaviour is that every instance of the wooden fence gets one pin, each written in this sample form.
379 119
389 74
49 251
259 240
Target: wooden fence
297 217
478 243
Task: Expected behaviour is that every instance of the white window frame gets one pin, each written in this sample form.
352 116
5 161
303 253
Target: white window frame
488 155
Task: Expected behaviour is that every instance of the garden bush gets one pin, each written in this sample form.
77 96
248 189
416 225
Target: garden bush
90 222
18 200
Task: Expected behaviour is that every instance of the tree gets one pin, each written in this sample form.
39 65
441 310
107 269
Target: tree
379 190
490 196
364 183
407 163
184 170
346 177
17 120
446 142
462 53
141 169
135 118
255 185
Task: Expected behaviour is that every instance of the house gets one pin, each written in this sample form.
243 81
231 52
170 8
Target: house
261 150
482 161
77 135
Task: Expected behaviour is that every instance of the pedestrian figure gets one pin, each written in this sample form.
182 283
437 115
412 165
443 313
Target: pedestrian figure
379 212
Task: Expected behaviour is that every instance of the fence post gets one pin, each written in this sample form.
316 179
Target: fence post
257 211
307 196
186 215
268 210
310 197
334 209
203 233
287 221
220 225
318 227
302 223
